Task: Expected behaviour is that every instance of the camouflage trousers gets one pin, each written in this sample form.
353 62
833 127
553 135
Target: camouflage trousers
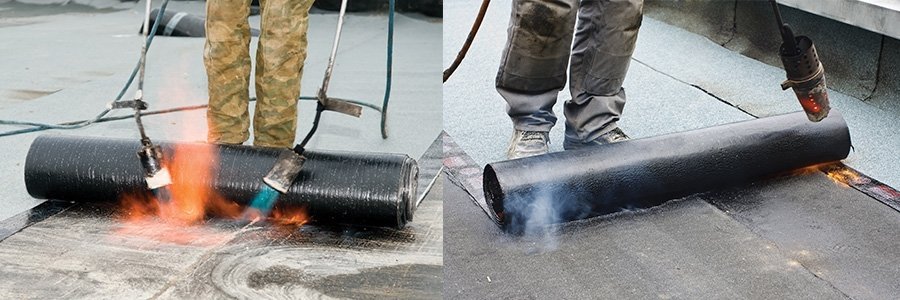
279 66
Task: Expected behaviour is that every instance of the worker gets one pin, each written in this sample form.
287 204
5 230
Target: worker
533 70
279 66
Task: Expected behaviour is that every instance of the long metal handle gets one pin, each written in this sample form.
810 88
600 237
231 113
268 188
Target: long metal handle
144 47
337 40
333 104
139 95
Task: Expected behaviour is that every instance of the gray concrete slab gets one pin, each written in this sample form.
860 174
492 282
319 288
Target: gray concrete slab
176 77
712 19
889 78
878 16
881 16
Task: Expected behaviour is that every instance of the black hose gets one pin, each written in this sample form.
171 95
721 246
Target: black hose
465 48
312 131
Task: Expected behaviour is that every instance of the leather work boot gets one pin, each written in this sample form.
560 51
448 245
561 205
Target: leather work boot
528 143
616 135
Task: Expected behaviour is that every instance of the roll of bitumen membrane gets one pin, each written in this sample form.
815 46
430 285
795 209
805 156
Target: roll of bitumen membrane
352 5
571 185
431 8
175 23
369 189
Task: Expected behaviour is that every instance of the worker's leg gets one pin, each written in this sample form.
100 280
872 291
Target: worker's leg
533 67
279 65
604 41
227 59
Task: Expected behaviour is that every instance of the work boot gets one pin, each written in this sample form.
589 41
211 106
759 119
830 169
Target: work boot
528 143
615 135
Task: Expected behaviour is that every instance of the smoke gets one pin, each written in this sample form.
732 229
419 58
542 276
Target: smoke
537 212
542 213
534 214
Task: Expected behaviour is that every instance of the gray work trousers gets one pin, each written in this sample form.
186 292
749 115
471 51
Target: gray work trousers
540 43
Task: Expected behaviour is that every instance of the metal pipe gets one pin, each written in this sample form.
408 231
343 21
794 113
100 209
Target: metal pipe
334 48
139 95
370 189
571 185
389 69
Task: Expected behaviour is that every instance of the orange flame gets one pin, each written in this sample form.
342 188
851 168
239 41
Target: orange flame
808 170
192 170
844 176
192 197
190 200
137 207
290 216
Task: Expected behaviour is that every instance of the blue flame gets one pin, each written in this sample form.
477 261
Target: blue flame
162 194
262 203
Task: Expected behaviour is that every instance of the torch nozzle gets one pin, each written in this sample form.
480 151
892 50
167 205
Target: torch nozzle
814 101
806 76
287 167
155 173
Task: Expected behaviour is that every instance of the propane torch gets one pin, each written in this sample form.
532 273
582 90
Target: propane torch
805 74
290 162
156 176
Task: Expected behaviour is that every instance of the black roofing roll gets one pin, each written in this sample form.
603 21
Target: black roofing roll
182 24
352 5
370 189
175 23
570 185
